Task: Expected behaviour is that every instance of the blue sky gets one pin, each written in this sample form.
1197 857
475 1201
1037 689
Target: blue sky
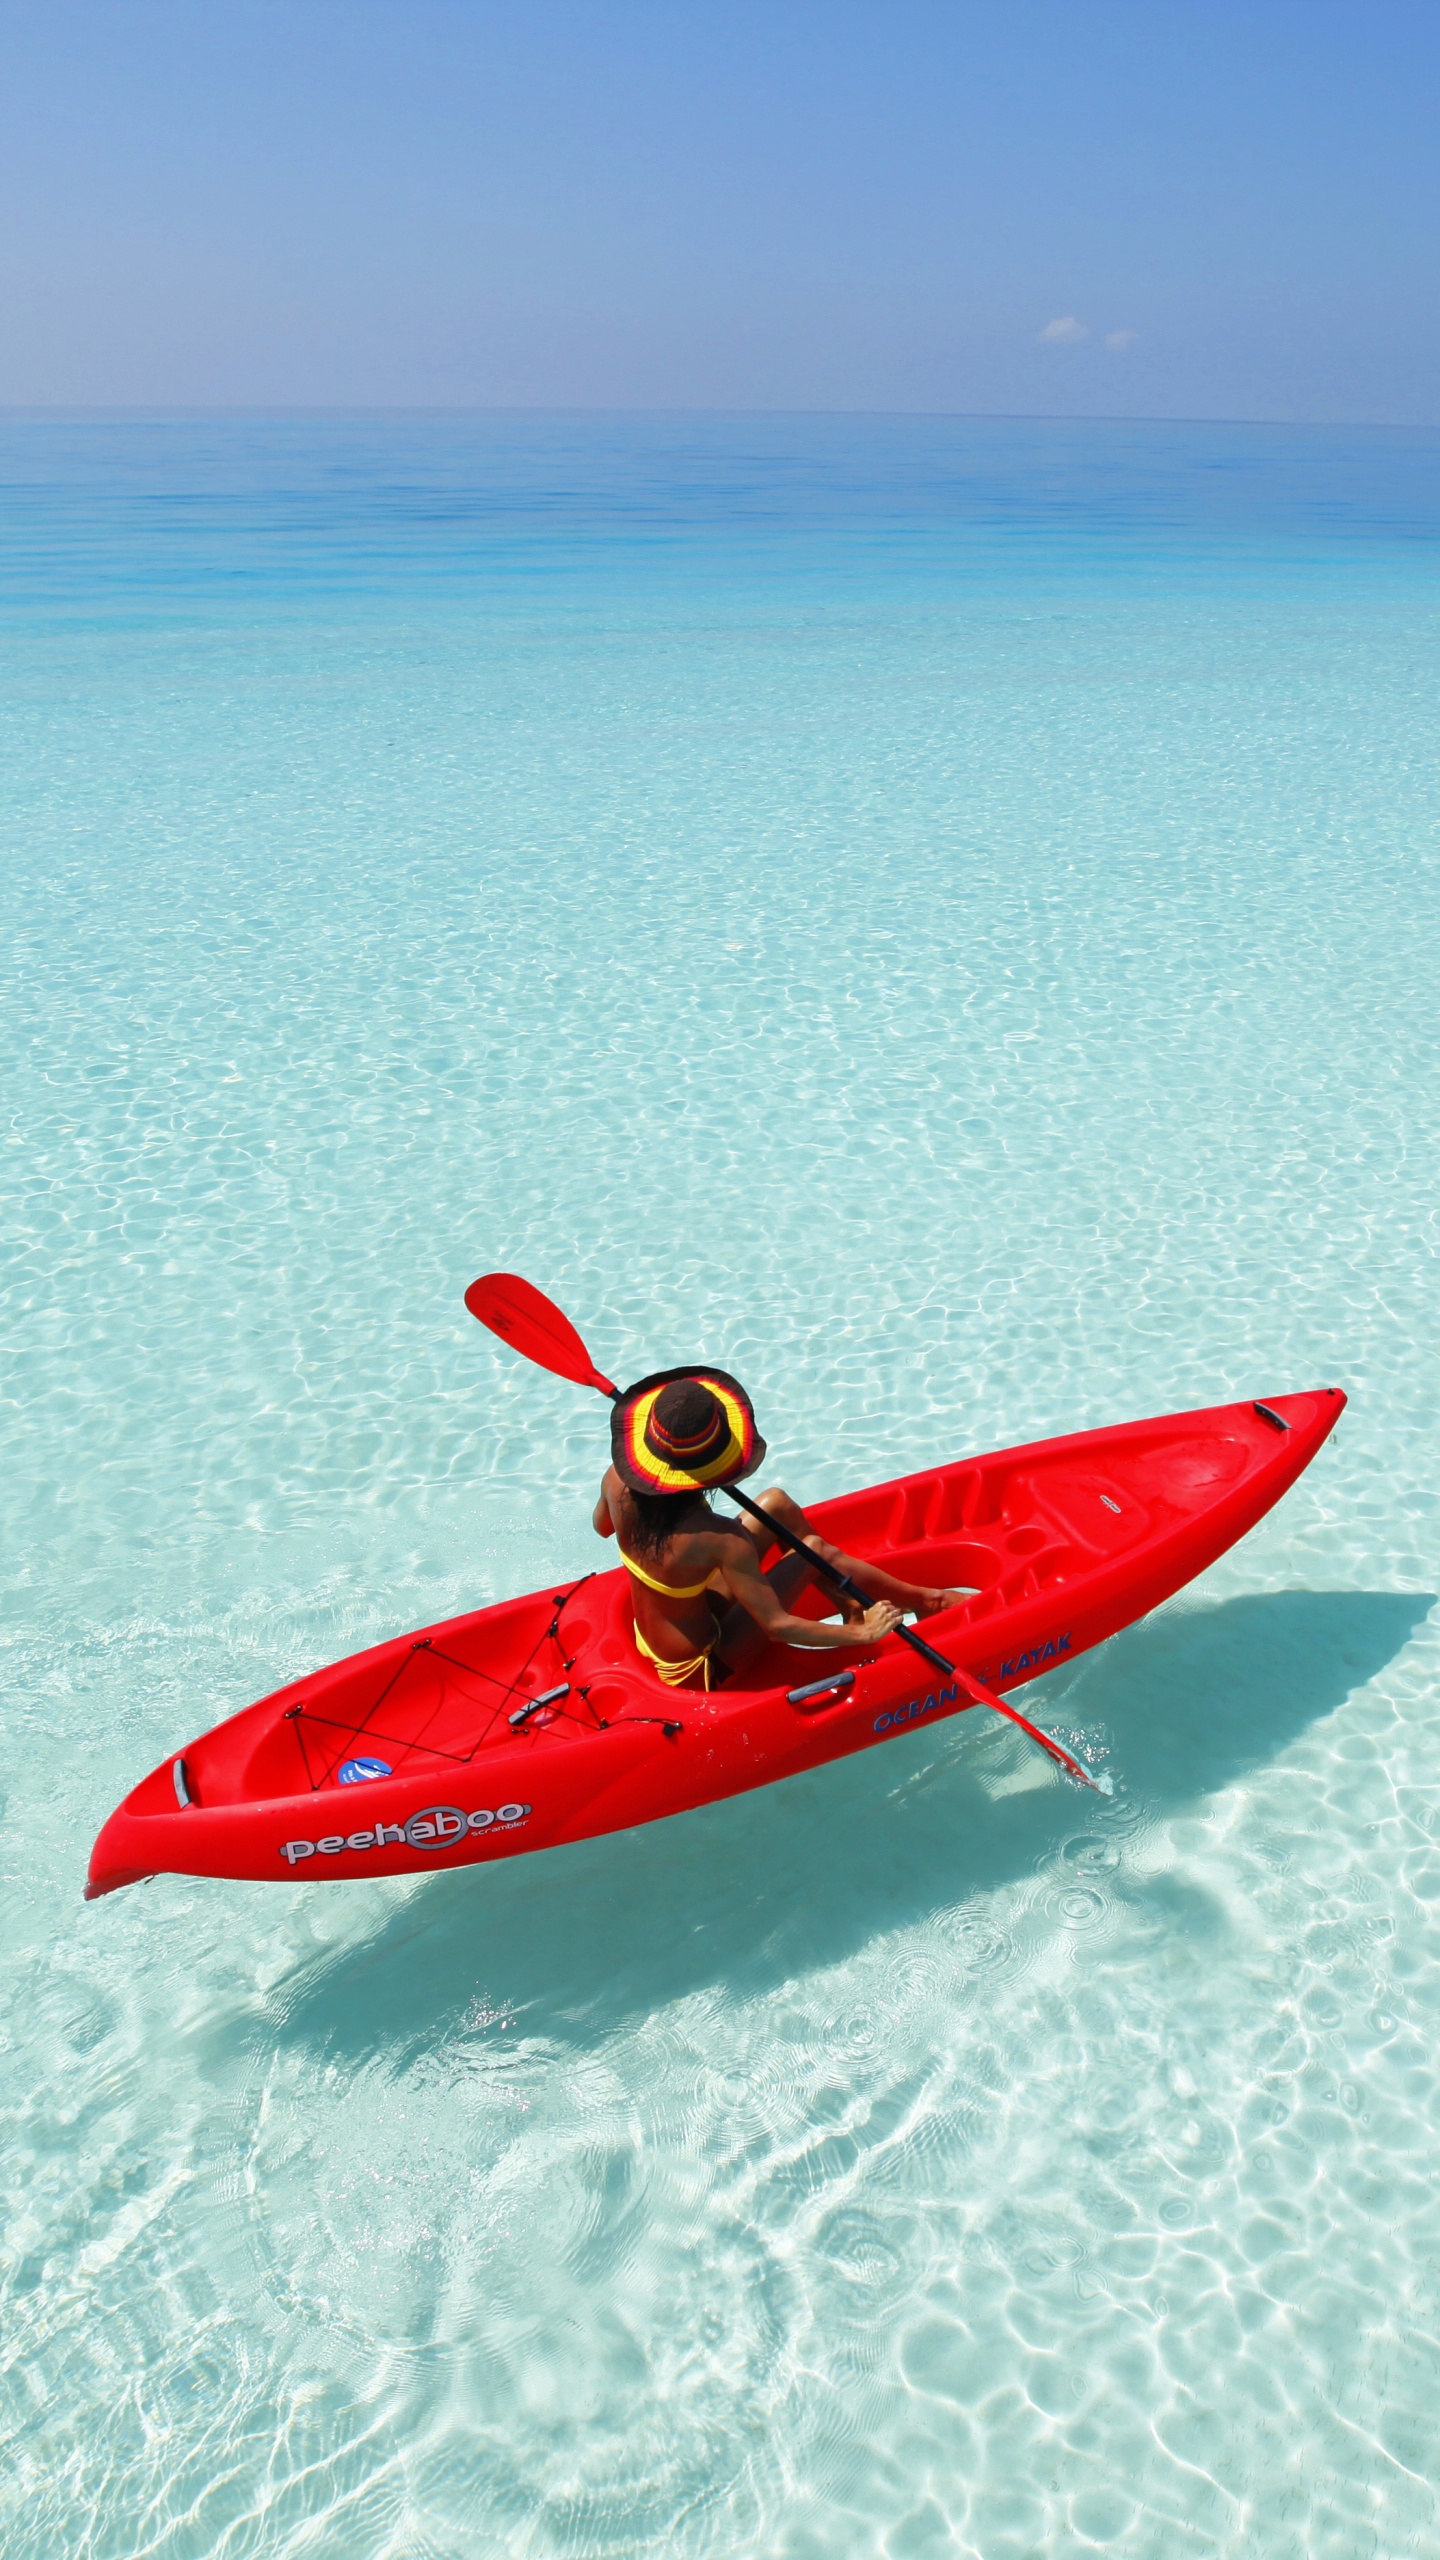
1167 209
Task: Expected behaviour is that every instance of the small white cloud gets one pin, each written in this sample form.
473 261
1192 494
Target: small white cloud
1063 333
1117 340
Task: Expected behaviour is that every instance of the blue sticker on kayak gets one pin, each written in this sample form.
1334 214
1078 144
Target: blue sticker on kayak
352 1772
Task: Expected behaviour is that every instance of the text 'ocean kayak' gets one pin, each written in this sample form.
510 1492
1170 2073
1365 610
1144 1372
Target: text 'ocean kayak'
534 1722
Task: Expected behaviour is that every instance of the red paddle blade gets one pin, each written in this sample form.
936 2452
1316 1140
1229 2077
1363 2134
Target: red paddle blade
1103 1783
534 1326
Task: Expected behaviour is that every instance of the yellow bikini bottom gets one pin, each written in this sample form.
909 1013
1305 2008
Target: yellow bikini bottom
675 1674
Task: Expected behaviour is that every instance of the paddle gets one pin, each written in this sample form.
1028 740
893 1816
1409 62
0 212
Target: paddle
534 1326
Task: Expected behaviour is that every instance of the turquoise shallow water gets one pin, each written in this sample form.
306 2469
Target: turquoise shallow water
942 918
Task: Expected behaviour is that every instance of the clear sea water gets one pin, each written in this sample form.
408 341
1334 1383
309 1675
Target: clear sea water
942 917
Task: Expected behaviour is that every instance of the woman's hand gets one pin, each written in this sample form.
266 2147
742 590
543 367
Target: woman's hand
880 1620
932 1602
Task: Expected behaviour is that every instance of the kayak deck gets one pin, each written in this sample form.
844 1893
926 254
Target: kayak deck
544 1702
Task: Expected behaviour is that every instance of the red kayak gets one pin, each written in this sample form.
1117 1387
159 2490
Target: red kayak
535 1721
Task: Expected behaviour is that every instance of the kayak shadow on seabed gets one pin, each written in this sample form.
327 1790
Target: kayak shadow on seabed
571 1944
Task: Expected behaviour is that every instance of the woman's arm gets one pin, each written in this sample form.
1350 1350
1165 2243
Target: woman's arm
746 1583
602 1519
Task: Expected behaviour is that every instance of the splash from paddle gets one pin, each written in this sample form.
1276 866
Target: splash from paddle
533 1325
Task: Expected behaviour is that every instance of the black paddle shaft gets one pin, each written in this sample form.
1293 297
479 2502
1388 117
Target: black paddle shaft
832 1574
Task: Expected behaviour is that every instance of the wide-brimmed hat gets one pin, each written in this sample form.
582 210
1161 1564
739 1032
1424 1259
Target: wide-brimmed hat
676 1450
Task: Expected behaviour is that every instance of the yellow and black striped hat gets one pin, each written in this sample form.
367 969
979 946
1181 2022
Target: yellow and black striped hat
682 1430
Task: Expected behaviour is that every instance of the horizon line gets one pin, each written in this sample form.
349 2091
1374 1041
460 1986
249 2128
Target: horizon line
41 411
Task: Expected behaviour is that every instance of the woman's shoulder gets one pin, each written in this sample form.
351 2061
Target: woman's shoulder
718 1538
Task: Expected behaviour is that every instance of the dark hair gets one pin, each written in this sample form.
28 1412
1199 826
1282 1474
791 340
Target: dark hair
656 1518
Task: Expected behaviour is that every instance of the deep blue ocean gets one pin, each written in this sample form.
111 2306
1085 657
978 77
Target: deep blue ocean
939 916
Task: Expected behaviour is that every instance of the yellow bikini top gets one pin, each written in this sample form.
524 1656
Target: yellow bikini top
671 1590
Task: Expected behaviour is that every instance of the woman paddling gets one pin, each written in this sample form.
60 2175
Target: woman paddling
703 1608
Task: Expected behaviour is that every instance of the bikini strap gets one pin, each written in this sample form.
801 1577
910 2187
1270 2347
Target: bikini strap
671 1590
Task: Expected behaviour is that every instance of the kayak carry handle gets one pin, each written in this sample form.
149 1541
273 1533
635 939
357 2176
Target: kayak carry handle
834 1687
517 1717
1267 1414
